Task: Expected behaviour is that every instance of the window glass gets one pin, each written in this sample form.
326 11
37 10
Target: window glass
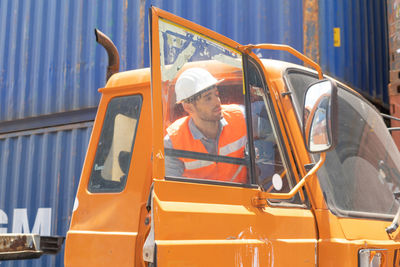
113 155
361 174
271 165
299 82
203 107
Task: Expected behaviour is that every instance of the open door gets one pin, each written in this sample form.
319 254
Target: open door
205 178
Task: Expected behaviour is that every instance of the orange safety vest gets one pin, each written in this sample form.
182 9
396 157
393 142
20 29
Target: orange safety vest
232 142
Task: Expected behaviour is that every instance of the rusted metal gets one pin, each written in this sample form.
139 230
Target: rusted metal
311 30
394 33
112 52
394 59
394 100
19 246
28 246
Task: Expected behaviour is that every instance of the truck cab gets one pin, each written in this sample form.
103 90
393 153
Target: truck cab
321 168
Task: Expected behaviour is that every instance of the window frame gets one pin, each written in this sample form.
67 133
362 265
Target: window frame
283 150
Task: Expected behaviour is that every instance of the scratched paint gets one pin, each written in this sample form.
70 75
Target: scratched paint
254 255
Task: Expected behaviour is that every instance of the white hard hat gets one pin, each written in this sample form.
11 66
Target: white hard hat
192 81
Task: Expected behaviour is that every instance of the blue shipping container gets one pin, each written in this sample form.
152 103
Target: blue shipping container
39 175
354 45
50 62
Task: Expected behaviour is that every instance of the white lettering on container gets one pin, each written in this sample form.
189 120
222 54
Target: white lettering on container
3 220
41 226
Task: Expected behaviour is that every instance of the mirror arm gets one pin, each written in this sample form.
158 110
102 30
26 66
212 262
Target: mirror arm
263 196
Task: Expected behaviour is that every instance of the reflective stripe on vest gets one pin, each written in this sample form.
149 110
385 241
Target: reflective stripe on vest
233 147
196 164
223 151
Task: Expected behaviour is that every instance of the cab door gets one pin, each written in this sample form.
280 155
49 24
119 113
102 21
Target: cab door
214 221
105 225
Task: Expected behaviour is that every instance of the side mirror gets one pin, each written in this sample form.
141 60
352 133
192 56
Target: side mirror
320 116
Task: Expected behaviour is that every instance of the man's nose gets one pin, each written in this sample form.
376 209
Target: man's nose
217 100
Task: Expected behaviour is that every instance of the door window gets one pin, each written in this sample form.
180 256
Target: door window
270 158
205 133
204 113
113 155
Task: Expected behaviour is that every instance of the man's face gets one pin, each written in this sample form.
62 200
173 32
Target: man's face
208 106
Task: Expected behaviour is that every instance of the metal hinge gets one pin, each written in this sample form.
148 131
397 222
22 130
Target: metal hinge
149 244
259 201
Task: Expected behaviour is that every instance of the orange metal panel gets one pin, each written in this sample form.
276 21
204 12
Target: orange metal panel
105 223
100 248
192 219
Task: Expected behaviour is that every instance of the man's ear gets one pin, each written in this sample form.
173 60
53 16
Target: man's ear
188 107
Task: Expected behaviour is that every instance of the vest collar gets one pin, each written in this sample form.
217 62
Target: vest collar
199 135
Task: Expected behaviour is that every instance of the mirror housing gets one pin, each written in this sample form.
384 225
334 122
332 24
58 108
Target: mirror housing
320 116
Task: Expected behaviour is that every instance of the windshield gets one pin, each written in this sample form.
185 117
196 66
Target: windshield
361 174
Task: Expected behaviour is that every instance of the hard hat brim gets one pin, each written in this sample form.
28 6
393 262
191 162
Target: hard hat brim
202 91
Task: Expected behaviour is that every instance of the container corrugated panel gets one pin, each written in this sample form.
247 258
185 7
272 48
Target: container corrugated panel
39 175
49 59
50 62
359 57
246 22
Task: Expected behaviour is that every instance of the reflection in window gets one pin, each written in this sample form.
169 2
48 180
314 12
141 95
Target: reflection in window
113 155
203 102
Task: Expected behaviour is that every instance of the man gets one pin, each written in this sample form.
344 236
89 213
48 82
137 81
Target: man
209 128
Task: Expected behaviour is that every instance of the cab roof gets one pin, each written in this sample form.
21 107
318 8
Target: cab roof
216 68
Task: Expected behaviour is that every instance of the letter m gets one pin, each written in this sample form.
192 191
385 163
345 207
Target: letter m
41 226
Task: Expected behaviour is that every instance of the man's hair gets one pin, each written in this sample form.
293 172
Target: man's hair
195 97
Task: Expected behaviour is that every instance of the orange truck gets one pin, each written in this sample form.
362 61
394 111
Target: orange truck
322 174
